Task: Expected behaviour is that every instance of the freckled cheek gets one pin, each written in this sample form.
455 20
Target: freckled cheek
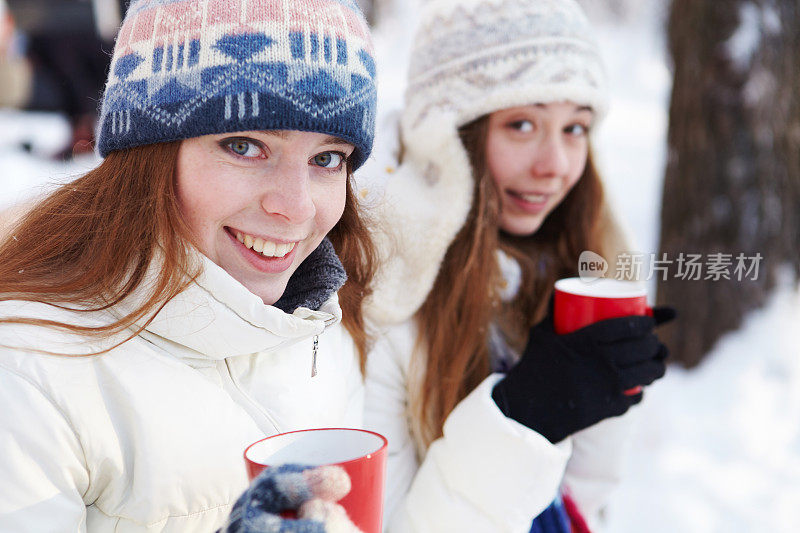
200 225
205 208
330 204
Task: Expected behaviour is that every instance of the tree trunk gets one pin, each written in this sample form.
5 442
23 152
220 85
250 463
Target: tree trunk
732 182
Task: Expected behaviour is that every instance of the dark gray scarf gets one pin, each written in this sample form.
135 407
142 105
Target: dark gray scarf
314 281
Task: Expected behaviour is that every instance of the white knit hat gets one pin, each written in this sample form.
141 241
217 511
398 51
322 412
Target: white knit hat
473 57
469 59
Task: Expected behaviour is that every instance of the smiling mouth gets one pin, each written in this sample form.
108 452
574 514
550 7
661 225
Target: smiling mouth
264 247
530 198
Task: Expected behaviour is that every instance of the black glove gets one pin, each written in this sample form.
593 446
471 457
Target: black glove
565 383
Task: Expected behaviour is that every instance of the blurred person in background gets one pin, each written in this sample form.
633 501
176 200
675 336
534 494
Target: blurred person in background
66 45
15 72
487 194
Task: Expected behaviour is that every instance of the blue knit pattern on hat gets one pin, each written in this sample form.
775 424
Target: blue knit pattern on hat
186 68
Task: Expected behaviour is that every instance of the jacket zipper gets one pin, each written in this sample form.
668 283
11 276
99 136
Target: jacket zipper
254 406
328 322
314 356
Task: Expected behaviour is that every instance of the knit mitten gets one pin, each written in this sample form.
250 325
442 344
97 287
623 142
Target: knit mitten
311 492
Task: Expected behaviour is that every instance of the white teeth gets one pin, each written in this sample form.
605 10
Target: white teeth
269 249
265 248
533 198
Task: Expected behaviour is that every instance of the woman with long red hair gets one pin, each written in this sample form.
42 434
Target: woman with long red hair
202 287
495 423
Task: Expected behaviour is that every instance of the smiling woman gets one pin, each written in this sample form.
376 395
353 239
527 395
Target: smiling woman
202 287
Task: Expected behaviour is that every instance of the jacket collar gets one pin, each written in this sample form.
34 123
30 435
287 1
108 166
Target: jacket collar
217 317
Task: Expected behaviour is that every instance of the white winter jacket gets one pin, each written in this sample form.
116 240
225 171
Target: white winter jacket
488 473
150 436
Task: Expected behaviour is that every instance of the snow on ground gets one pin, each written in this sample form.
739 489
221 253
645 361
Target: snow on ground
717 448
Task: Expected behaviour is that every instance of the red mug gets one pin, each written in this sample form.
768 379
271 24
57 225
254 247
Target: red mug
361 453
578 303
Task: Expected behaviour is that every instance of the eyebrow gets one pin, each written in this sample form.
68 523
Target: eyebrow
577 110
330 139
280 134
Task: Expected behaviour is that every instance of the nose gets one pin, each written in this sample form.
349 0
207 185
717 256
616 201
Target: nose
289 193
550 157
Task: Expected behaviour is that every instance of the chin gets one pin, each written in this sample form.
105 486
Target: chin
269 295
520 228
269 298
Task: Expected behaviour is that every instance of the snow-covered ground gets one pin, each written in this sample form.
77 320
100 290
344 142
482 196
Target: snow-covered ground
717 448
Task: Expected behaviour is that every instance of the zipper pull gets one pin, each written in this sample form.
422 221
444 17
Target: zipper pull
314 356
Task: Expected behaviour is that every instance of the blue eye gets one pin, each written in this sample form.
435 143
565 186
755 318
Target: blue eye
243 147
330 160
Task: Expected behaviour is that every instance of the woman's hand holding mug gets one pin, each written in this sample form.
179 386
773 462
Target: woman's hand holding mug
567 382
341 493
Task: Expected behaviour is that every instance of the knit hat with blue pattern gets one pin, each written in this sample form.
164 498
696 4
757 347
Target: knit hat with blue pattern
186 68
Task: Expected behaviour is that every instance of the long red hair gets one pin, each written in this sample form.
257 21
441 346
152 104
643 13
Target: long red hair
88 245
454 320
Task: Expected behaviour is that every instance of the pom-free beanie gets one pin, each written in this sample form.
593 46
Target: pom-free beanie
474 57
186 68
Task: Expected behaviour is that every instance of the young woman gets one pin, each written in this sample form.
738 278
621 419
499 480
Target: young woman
492 199
188 296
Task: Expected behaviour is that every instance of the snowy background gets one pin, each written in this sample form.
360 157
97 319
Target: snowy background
717 448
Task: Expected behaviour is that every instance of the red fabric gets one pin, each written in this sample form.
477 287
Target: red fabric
576 519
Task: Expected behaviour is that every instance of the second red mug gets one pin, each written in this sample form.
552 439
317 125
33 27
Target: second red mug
578 303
